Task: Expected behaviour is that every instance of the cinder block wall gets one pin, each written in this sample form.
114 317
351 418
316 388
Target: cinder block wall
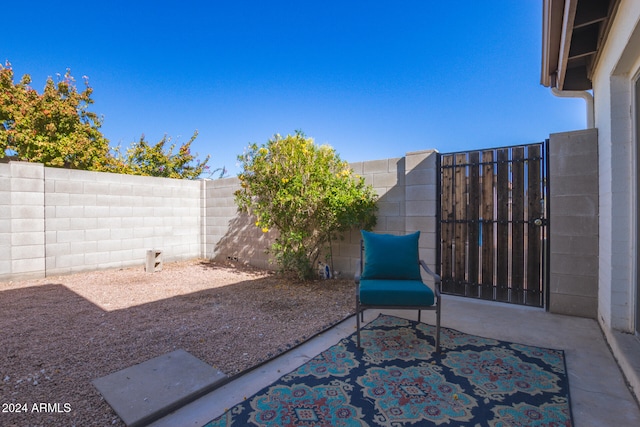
229 233
573 171
406 188
59 221
103 220
387 177
5 218
421 201
62 221
407 198
22 220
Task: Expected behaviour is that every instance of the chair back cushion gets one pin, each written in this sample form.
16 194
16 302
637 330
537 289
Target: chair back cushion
390 257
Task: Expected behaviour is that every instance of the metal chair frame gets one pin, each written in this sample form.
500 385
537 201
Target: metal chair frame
437 305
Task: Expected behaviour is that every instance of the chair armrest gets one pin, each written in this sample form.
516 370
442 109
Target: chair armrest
429 271
436 278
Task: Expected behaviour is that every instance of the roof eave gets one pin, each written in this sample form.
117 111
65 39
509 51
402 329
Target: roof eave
552 11
573 33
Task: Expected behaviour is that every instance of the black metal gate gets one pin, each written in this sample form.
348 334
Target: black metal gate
493 224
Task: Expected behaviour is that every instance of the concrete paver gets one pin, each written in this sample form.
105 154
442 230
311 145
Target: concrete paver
146 391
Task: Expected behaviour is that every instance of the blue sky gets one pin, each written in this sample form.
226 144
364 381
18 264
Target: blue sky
374 79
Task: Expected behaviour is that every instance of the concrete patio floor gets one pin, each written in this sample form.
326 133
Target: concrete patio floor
599 394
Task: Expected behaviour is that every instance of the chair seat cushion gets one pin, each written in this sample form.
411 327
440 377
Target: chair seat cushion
395 292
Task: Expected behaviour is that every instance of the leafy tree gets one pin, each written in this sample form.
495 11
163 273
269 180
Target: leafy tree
142 158
54 128
57 129
307 194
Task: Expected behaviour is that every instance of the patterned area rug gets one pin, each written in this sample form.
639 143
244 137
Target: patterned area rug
399 380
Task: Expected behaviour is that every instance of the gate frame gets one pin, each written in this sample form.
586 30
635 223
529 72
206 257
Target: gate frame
545 237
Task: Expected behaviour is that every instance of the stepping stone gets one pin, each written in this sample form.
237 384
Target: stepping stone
142 393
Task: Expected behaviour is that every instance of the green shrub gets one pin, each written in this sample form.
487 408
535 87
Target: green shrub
307 195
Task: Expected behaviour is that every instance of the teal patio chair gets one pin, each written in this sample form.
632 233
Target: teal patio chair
389 278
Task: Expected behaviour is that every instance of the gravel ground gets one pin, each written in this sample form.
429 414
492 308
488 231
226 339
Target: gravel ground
59 333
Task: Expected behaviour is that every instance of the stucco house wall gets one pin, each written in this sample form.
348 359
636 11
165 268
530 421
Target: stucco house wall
615 103
613 86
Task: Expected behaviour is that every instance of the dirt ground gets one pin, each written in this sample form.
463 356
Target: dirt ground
59 333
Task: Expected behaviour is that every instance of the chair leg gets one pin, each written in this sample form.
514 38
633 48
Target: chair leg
438 326
358 314
358 331
419 313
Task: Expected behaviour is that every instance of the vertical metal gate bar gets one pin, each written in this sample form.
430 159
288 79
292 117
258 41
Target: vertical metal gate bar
439 216
536 218
544 285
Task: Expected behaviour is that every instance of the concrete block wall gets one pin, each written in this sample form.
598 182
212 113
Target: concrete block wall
102 220
59 221
5 217
22 220
63 221
421 201
406 188
387 177
229 233
574 245
399 188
